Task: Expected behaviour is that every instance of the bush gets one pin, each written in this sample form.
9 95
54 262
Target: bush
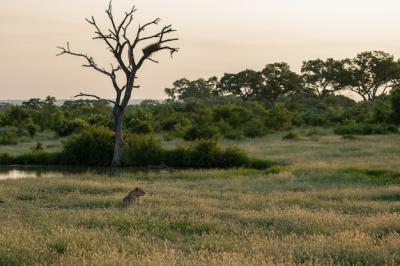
141 127
234 135
8 136
381 111
198 132
207 154
349 137
6 159
94 147
174 122
37 147
39 158
32 128
142 151
254 128
365 129
292 135
279 118
395 98
71 126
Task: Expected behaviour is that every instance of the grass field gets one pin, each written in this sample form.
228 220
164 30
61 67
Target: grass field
336 203
49 142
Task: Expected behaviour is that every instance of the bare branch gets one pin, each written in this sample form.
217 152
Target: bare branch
152 60
89 59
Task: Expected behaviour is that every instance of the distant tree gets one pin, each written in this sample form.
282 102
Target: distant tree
125 50
279 80
324 77
246 84
185 89
373 74
395 98
34 103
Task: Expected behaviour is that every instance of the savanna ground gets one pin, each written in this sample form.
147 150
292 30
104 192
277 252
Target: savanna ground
336 203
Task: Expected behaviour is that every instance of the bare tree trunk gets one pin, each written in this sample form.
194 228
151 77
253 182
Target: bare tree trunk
118 118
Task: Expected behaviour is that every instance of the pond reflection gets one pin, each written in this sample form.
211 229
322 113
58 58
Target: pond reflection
19 172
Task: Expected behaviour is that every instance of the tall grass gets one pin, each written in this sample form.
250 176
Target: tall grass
336 204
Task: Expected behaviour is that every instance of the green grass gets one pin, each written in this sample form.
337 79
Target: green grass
49 141
337 203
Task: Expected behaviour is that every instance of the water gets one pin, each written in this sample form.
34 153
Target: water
19 172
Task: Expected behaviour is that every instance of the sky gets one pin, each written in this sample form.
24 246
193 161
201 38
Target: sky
216 37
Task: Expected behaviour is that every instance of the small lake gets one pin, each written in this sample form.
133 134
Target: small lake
20 172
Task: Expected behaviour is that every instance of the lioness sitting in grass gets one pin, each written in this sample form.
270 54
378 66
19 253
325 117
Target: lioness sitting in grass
133 197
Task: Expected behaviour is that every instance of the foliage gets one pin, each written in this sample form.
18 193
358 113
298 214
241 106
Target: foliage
395 99
373 73
94 146
254 128
142 150
292 135
278 81
324 77
8 136
365 129
186 90
279 118
207 154
245 84
71 126
197 132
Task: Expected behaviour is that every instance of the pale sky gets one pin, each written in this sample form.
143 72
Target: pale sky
216 36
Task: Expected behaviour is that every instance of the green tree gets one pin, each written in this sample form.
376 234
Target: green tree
246 84
279 80
373 74
395 98
324 77
185 89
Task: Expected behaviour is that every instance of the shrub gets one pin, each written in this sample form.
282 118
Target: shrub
234 135
37 147
292 135
71 126
8 136
279 118
39 158
93 147
365 129
395 98
207 154
381 111
198 132
141 151
141 127
314 132
174 122
254 128
349 137
32 128
6 159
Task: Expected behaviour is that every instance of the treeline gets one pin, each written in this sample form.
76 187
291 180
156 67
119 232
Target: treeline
369 75
246 104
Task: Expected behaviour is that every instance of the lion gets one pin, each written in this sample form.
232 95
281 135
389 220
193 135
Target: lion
134 197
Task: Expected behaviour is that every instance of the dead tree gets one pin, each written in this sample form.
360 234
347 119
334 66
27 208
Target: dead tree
125 49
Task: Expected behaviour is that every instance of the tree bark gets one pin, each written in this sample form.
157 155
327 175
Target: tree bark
118 119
